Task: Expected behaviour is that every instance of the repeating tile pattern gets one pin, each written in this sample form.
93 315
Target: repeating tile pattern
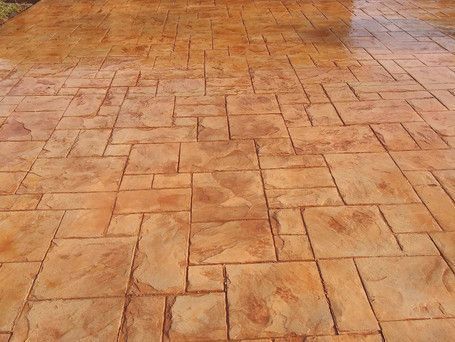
264 170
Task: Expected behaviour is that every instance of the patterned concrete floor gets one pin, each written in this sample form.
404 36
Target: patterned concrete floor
237 169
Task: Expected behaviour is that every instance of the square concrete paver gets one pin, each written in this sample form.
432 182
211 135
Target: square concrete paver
409 287
145 111
205 278
197 317
26 235
71 319
228 196
165 159
257 291
18 155
77 268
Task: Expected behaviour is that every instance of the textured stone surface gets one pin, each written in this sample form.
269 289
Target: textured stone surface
205 278
370 178
74 175
232 241
287 221
70 319
425 160
227 170
143 319
257 126
348 299
256 292
408 218
197 317
447 180
440 205
155 200
18 156
334 139
394 137
445 243
228 196
160 262
419 330
216 156
376 111
23 126
293 247
84 223
409 287
26 235
85 268
291 198
349 232
144 111
164 160
297 178
16 279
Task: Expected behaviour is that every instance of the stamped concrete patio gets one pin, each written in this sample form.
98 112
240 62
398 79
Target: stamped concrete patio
237 169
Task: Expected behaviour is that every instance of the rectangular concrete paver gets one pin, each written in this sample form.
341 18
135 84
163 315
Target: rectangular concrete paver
260 170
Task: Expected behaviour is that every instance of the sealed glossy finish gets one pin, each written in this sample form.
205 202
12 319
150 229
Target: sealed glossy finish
228 169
